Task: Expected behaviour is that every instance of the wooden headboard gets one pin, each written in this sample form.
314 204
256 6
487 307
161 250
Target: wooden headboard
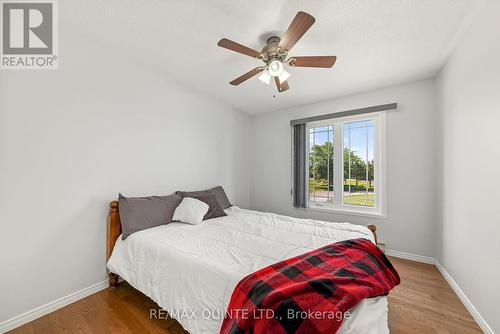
115 229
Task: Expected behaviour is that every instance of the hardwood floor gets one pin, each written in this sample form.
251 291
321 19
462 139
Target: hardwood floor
423 303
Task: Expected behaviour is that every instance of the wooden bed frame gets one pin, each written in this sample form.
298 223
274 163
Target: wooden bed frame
115 229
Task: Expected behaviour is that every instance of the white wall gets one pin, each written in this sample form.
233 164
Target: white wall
71 139
468 244
409 226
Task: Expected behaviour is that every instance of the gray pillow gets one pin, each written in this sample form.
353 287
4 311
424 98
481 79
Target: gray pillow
214 208
140 213
221 197
218 192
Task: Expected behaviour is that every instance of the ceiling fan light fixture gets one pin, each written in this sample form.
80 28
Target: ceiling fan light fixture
275 67
265 77
284 76
276 52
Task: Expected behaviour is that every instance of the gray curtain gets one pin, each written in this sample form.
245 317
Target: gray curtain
299 166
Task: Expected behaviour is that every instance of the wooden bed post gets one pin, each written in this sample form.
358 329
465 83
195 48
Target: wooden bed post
114 231
373 228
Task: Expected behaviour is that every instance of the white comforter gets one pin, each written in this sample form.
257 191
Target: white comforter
193 269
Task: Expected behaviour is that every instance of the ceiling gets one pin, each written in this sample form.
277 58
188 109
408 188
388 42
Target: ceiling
378 42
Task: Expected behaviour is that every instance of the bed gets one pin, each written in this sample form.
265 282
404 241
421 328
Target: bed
191 270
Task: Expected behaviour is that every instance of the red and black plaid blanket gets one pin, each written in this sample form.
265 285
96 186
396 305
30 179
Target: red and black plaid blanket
310 293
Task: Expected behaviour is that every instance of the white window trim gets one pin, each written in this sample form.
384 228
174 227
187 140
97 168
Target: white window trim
379 210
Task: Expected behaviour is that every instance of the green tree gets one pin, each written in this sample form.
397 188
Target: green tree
371 173
358 166
321 162
321 165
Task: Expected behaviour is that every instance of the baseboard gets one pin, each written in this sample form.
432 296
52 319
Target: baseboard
40 311
409 256
465 300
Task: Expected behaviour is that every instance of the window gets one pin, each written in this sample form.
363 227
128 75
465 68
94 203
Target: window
346 164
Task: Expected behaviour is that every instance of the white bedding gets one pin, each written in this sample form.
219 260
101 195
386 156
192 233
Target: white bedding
196 267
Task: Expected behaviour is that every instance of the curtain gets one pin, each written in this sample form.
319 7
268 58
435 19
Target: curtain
299 166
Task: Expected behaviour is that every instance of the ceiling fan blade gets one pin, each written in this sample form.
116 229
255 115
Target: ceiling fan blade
283 86
313 61
247 76
300 24
236 47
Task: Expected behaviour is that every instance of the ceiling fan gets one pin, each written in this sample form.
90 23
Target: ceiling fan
275 53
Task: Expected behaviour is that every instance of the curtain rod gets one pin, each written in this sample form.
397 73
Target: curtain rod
382 107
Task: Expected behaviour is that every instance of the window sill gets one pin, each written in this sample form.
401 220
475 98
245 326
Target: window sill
350 212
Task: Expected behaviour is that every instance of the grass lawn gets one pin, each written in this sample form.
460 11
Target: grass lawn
319 187
322 184
360 199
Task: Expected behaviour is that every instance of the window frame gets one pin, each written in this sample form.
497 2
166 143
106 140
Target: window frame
379 174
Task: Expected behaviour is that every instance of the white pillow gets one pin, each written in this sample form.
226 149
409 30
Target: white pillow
190 211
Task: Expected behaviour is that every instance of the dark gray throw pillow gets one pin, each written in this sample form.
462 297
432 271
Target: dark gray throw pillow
218 192
214 208
221 197
140 213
